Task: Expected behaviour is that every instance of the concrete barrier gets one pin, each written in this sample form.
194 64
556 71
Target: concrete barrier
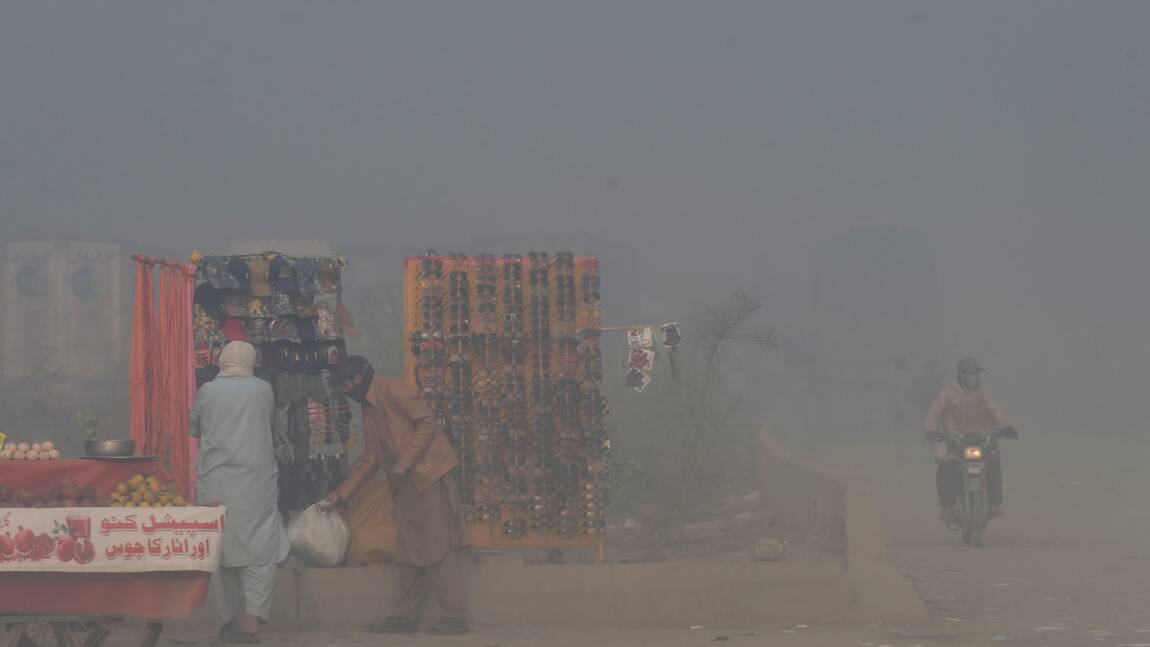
820 506
881 591
807 502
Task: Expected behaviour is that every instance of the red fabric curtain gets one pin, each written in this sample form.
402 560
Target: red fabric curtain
161 367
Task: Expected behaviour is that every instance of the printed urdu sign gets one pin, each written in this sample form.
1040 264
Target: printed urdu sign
110 540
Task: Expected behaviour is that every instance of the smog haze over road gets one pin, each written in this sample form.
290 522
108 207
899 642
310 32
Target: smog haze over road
723 141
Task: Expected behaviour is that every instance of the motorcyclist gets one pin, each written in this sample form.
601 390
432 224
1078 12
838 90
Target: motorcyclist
963 408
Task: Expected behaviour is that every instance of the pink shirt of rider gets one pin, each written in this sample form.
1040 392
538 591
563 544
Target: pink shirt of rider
962 412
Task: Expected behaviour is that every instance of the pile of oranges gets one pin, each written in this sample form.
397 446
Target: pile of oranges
145 492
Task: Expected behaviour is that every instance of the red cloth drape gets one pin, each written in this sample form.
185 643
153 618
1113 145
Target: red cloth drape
161 367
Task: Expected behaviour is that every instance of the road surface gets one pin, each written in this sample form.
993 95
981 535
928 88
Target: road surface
1068 565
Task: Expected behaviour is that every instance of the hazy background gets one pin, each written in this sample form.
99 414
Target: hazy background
722 140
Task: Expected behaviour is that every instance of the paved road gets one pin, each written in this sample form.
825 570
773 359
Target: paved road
1068 565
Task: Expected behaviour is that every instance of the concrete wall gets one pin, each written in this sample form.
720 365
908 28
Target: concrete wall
807 502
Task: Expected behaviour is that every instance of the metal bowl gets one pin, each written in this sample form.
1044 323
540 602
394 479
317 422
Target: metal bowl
109 448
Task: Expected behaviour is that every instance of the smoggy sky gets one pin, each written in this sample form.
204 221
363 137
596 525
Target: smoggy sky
722 139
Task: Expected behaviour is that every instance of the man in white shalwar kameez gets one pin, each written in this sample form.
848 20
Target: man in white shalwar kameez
236 467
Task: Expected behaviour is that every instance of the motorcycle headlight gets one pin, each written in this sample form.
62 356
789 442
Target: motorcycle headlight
972 453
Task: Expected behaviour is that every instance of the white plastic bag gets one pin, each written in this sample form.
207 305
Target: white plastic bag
318 538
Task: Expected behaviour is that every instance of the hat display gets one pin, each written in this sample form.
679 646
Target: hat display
208 299
303 305
326 324
257 329
258 309
327 276
280 304
305 326
205 326
305 269
235 305
282 275
234 329
238 268
284 329
260 281
288 308
215 270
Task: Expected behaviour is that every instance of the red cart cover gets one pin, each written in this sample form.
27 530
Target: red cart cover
103 475
126 573
146 596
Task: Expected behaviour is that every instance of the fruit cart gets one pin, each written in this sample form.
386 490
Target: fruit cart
102 576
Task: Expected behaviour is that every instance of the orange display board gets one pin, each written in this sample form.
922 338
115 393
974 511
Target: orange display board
506 351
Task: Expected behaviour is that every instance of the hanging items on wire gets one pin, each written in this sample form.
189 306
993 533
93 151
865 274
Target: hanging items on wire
643 344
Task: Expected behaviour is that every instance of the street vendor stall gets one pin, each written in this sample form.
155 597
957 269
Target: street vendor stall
102 551
79 575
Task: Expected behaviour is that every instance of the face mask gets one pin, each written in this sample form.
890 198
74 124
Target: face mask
971 382
359 393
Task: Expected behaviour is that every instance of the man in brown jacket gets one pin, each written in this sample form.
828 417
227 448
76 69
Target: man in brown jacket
402 437
965 408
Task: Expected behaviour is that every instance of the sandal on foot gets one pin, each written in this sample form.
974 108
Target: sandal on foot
230 635
449 627
394 625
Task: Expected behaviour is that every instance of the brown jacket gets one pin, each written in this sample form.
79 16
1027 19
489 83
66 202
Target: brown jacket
962 413
399 429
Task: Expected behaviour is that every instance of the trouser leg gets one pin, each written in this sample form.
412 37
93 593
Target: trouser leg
948 481
446 580
412 583
258 586
994 479
225 587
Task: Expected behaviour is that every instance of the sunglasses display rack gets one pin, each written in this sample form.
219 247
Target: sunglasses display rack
505 350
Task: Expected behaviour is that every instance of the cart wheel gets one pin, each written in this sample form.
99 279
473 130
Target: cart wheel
95 634
15 633
40 634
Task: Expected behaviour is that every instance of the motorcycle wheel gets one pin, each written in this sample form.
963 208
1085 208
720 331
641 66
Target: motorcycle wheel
966 535
977 518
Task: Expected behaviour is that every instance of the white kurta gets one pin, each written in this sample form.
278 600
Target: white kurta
232 418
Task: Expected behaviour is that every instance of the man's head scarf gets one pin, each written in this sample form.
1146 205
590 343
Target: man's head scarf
237 359
351 367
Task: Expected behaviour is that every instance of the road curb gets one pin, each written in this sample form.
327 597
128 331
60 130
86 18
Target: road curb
881 591
811 501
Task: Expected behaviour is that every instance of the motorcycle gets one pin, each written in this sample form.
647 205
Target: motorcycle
972 511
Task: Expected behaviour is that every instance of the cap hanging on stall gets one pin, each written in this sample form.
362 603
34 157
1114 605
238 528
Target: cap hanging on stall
327 275
238 268
209 300
257 330
258 269
234 329
215 270
284 329
283 276
305 269
304 306
281 303
236 305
